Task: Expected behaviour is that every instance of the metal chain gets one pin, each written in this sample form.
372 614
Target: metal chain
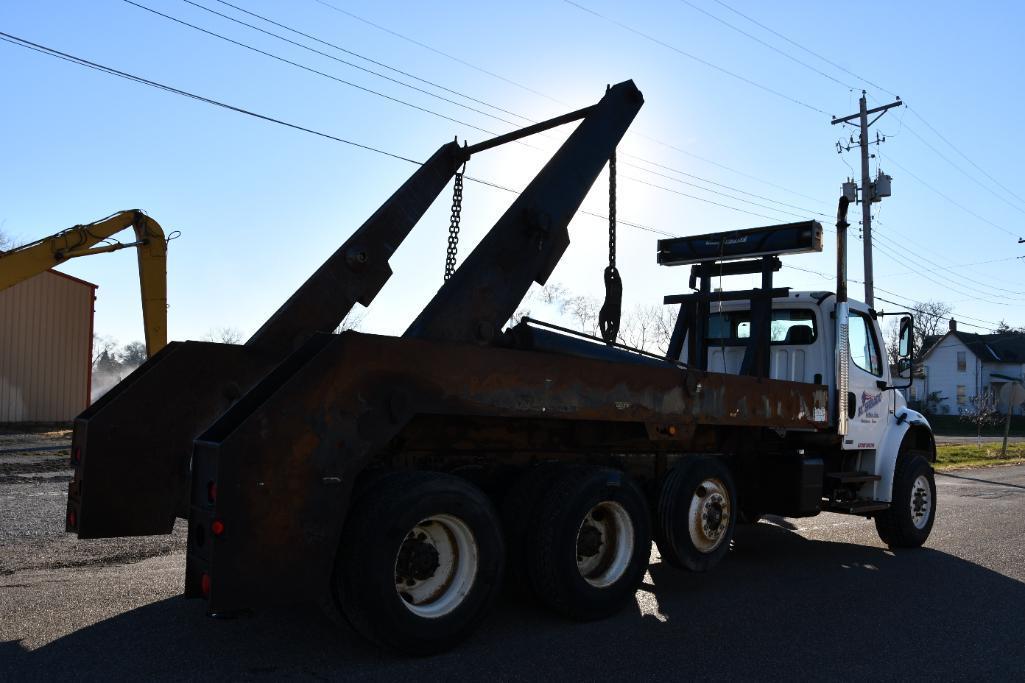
612 210
453 227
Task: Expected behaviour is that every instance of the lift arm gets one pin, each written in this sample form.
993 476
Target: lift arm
31 259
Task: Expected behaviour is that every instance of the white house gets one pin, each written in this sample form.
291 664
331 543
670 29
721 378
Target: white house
960 366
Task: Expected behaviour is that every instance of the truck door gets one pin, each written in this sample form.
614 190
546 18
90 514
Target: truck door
866 407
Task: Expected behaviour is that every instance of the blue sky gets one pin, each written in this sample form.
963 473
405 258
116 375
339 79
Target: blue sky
259 206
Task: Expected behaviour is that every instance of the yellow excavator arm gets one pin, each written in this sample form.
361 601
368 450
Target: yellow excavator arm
31 259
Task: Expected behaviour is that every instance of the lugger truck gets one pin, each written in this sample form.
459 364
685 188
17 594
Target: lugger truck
402 482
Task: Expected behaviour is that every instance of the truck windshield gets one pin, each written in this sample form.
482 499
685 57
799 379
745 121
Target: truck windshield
789 326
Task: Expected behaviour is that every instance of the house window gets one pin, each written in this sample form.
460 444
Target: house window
962 361
962 397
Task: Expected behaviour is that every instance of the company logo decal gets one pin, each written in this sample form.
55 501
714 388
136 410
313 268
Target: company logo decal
868 402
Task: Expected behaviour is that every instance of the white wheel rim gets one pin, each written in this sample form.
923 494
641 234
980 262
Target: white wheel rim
709 515
436 566
604 544
921 501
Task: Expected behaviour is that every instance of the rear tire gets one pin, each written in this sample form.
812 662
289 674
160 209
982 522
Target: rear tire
520 511
697 514
590 545
909 519
420 561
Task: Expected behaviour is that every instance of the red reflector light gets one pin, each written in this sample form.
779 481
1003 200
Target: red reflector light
217 526
204 585
76 455
211 491
72 519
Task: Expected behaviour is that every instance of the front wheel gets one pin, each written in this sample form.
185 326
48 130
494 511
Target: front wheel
909 519
697 514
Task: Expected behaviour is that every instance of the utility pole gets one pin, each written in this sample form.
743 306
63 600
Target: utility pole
868 194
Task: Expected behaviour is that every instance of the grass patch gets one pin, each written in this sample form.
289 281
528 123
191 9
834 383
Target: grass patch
955 456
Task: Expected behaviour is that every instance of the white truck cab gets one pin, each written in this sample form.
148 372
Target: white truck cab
804 348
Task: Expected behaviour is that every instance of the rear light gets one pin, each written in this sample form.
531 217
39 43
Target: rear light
217 526
204 585
76 455
72 519
211 491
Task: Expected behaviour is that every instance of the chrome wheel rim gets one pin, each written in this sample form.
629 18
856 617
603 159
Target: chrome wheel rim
708 517
436 566
604 544
921 501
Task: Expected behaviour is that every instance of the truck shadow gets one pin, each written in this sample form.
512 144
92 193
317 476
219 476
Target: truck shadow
779 606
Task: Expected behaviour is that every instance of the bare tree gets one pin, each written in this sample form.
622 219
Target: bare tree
1004 328
929 322
224 335
353 320
104 346
133 354
648 328
982 412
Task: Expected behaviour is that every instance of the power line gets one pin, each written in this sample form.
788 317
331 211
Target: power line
959 289
694 57
725 167
895 245
21 42
311 69
891 160
358 55
811 52
768 45
51 52
965 157
487 104
501 78
963 265
878 87
440 52
710 182
964 172
895 303
344 82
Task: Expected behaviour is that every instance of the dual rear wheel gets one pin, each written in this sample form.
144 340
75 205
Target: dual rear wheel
423 554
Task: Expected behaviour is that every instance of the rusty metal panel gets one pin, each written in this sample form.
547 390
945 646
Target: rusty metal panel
132 448
286 462
45 348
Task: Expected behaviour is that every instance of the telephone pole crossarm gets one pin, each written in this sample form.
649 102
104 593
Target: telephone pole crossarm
883 108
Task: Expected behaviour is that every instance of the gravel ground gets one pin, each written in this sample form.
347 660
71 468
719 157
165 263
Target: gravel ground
802 598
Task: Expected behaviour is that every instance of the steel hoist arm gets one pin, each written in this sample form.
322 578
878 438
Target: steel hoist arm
29 260
359 268
527 242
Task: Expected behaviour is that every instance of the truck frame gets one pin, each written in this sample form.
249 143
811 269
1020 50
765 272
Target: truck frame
402 482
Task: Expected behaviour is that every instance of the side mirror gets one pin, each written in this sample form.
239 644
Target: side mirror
905 350
907 332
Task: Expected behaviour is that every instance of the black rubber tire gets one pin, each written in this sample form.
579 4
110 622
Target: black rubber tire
552 543
364 573
520 510
671 524
894 525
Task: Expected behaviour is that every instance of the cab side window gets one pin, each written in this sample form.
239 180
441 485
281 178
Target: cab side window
864 345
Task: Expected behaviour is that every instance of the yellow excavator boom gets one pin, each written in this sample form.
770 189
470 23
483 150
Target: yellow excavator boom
31 259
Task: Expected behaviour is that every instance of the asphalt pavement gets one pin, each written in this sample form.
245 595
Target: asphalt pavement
809 598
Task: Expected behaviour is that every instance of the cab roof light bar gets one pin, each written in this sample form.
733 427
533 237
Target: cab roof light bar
772 240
